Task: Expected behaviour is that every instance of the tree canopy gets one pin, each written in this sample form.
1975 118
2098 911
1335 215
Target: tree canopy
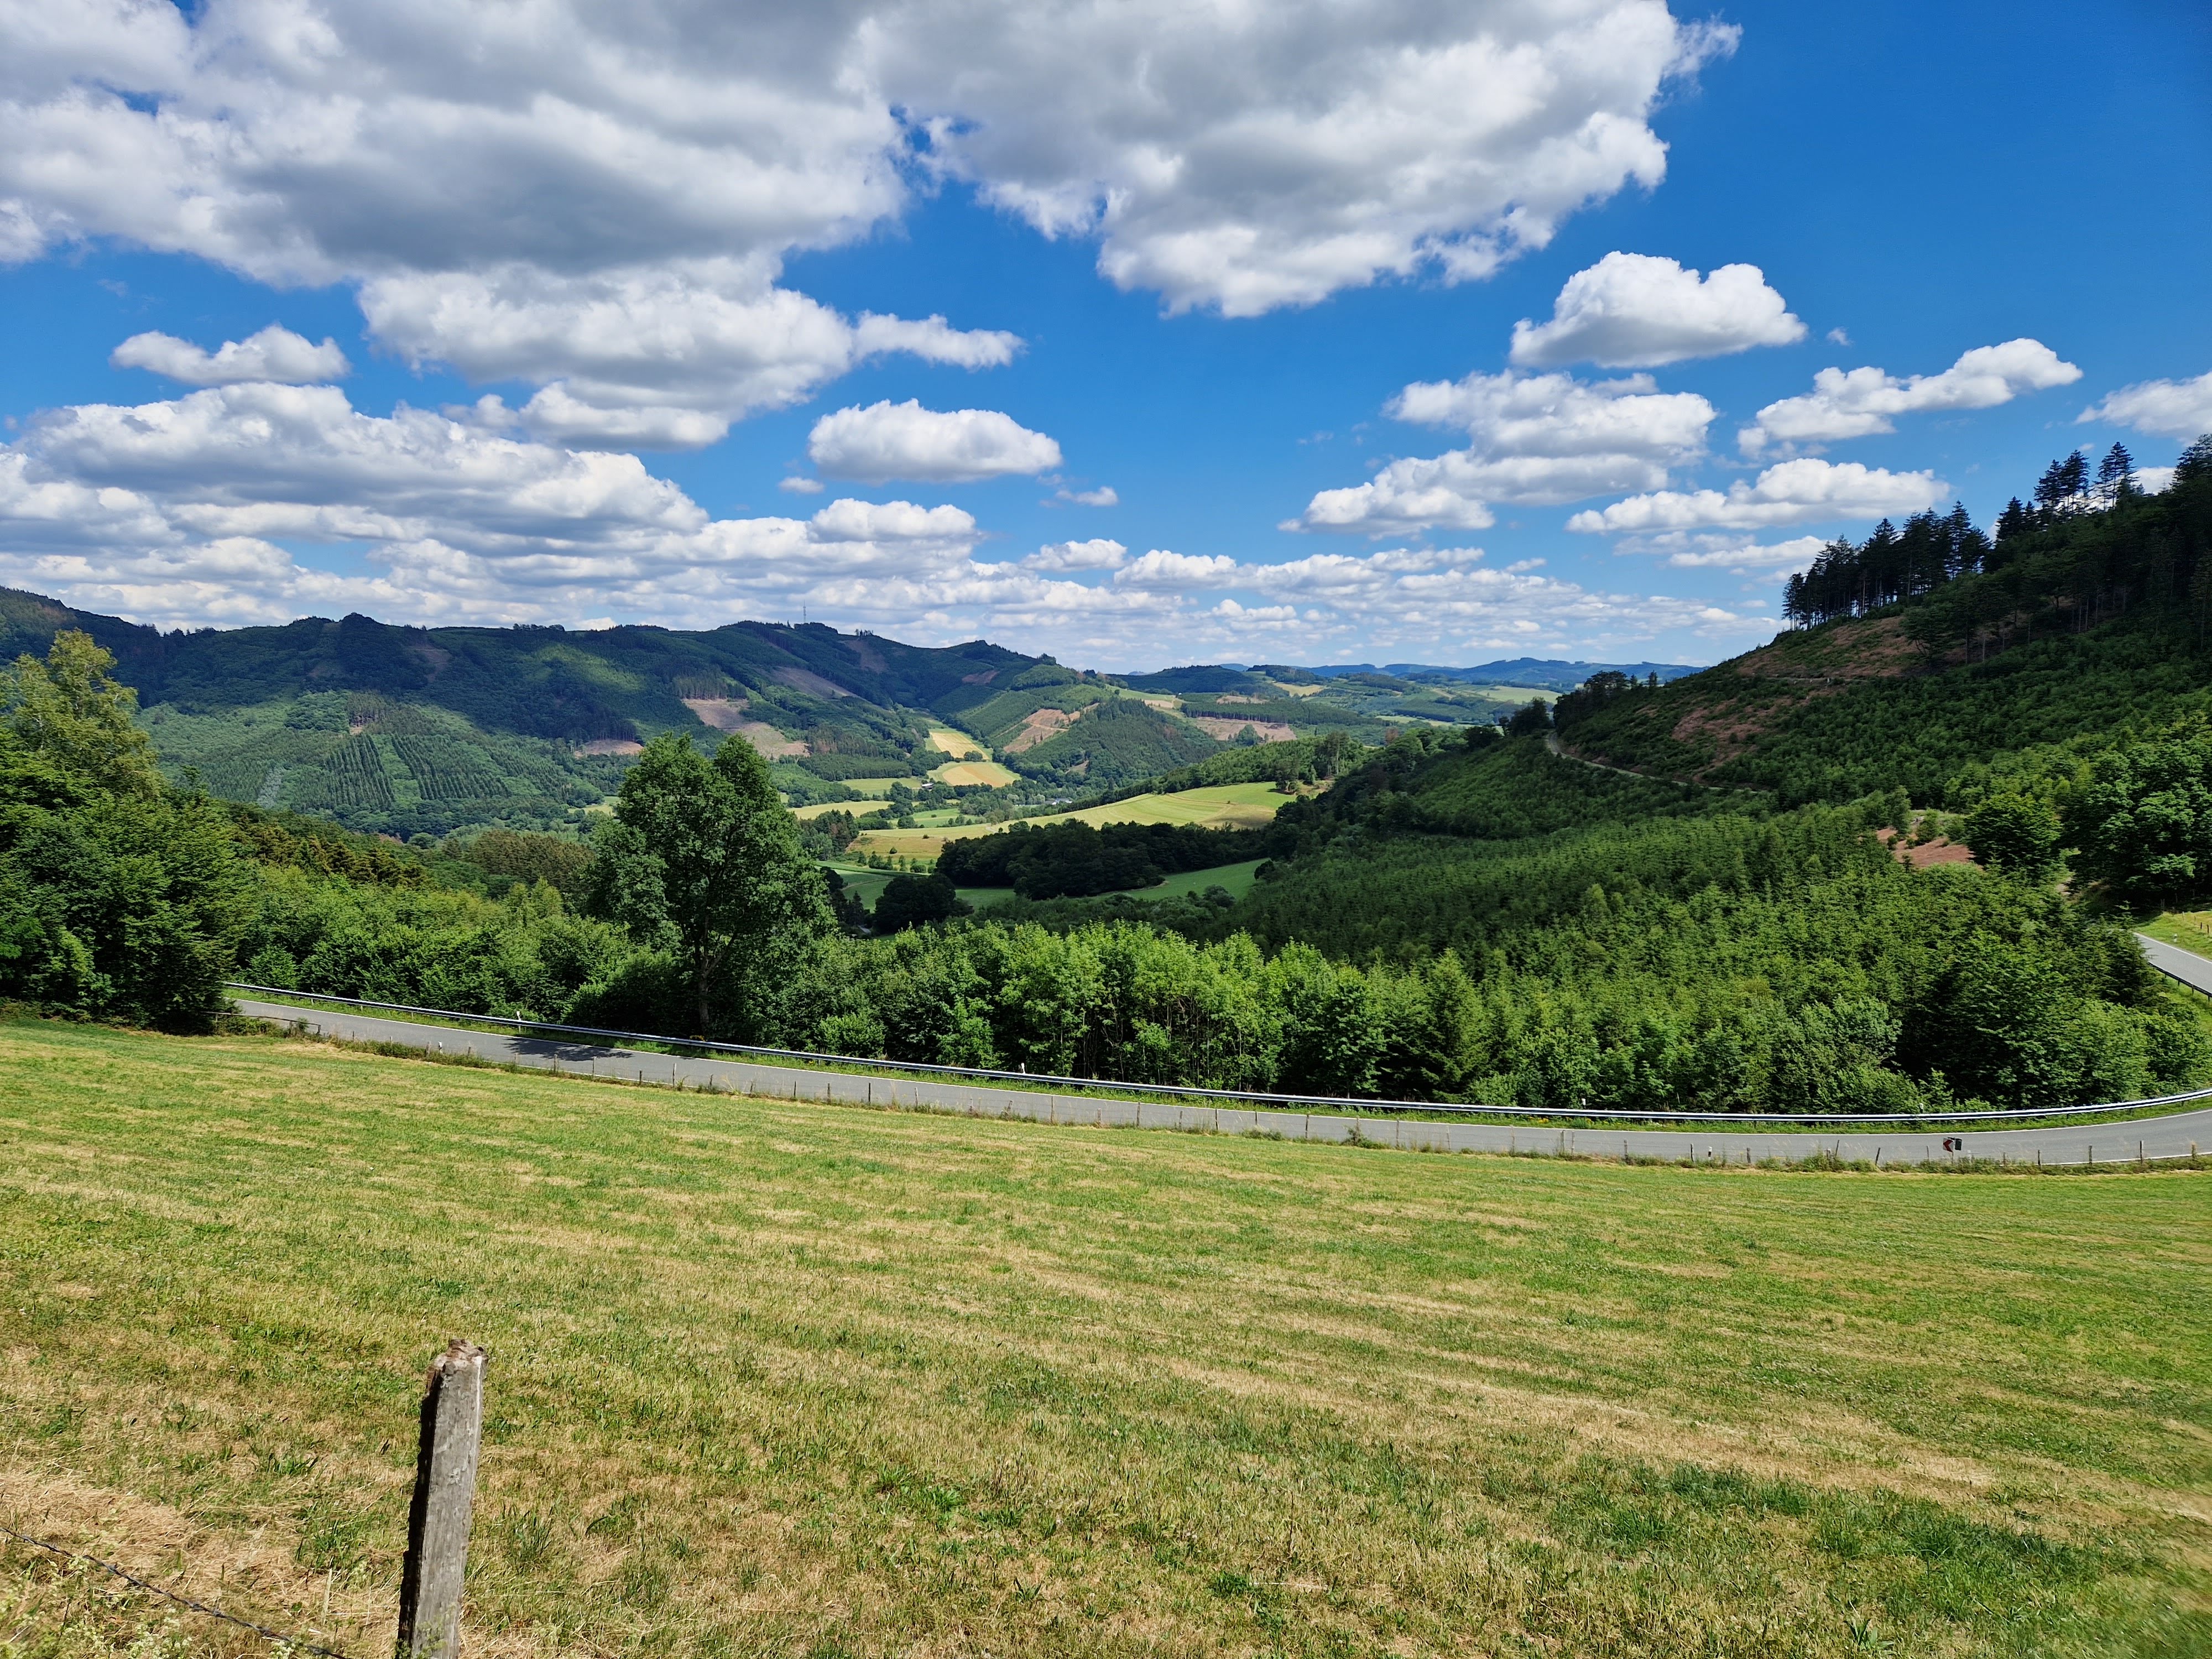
702 856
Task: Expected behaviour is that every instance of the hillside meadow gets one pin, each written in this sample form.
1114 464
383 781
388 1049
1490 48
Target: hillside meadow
778 1379
1216 806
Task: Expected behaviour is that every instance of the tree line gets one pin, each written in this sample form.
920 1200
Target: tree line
1075 859
1896 566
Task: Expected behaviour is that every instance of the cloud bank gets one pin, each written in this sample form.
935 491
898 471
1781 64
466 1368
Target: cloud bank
1805 491
1536 440
259 502
599 201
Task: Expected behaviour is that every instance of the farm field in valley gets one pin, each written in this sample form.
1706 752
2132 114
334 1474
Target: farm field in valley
957 774
1217 807
958 745
777 1378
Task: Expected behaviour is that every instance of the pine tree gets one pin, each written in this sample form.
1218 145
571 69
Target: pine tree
1968 546
2196 462
2116 475
2074 473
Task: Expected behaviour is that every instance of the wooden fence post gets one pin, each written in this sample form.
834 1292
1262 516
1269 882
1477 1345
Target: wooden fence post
438 1519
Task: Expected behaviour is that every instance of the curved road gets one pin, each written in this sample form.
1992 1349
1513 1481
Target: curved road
2191 969
2176 1135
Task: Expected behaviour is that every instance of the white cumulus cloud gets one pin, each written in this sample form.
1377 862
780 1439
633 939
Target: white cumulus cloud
1737 555
2171 409
1803 491
1250 157
188 511
1864 401
887 440
1098 553
600 201
1634 311
649 356
274 353
1535 439
1161 570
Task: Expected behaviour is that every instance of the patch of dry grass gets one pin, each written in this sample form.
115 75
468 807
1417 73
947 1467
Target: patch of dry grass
776 1378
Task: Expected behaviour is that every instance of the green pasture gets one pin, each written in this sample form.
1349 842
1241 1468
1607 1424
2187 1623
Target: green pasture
770 1379
1237 877
862 881
1216 806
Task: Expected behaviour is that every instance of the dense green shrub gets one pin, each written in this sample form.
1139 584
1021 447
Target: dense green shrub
119 899
2144 823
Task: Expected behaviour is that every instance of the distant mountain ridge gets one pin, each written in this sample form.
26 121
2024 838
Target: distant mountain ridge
410 730
1541 673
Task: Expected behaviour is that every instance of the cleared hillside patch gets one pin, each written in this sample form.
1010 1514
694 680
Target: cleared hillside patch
772 1379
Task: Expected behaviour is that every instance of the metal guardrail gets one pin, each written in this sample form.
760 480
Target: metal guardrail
1173 1091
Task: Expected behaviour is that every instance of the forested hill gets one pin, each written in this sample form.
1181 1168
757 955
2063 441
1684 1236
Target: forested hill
545 682
1930 653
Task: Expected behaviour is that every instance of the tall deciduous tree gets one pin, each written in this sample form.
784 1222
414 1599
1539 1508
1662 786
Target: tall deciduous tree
703 859
67 712
119 899
2014 834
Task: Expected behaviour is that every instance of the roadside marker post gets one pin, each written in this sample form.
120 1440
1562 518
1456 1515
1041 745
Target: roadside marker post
430 1579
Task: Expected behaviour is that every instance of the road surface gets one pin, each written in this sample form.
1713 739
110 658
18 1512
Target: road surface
2173 961
2177 1135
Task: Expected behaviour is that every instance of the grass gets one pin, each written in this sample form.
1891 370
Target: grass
959 773
776 1379
958 745
1867 1140
2192 930
1216 806
1236 877
864 882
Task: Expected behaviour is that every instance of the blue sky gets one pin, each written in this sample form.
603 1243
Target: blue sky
1175 255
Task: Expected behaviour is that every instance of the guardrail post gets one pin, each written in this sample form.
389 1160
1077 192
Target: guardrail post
438 1519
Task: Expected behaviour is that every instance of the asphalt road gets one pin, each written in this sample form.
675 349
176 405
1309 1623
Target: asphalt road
2171 960
2176 1135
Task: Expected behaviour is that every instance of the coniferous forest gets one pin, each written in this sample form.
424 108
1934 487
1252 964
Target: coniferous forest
1715 917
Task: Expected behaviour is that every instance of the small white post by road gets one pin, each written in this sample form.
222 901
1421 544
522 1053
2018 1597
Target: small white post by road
438 1520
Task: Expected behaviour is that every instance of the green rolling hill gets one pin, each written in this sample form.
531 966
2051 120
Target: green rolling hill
407 730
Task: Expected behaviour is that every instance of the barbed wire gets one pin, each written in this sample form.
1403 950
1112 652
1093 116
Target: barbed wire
131 1578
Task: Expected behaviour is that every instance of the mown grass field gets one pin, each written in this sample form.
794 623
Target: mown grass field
1217 807
958 745
780 1379
959 773
1237 878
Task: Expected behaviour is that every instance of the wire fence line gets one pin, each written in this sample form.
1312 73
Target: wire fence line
1239 1096
292 1644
